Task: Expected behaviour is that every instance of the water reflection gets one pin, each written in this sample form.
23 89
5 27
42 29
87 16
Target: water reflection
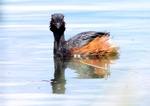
89 67
58 83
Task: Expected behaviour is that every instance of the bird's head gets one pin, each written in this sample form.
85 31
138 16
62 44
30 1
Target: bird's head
57 22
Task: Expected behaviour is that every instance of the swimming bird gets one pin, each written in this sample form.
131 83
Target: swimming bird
83 44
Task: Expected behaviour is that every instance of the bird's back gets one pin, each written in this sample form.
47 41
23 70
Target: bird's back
83 38
91 43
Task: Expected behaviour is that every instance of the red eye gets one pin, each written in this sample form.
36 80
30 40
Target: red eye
53 23
61 23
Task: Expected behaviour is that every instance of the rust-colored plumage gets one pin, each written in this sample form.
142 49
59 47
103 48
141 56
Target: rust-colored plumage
99 46
83 44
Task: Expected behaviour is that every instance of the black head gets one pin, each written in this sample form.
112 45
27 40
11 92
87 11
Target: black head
57 23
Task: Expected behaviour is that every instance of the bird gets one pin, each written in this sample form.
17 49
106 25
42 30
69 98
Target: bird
89 43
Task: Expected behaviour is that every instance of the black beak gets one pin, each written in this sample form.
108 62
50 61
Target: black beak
58 25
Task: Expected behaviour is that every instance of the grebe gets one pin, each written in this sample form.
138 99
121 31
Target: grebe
83 44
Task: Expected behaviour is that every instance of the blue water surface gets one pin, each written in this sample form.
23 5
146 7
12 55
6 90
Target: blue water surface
26 54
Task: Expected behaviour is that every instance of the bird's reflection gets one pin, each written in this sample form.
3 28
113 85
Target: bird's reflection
58 83
89 67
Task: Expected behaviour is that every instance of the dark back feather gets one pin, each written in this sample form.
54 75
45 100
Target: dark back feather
83 38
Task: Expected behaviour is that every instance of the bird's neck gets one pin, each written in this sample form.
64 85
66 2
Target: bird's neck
59 41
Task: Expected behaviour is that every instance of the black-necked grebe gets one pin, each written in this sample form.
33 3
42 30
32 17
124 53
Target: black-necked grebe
83 44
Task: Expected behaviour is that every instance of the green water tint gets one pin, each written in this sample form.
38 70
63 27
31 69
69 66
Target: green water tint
86 68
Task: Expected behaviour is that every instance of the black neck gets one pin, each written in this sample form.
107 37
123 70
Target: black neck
59 41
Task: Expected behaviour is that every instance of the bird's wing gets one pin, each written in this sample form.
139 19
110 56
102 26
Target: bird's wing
83 38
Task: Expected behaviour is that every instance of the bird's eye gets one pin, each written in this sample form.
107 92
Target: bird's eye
61 22
54 23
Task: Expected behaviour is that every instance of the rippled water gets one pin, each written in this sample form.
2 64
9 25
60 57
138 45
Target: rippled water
29 75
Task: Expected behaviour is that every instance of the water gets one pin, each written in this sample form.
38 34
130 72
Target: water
29 76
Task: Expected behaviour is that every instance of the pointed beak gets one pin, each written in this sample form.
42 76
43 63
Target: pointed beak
58 25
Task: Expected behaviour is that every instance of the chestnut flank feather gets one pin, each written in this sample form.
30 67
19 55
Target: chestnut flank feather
99 46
